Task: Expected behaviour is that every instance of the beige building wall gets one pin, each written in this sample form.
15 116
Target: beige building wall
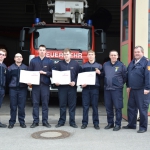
141 24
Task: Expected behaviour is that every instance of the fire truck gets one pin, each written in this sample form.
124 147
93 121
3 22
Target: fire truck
70 29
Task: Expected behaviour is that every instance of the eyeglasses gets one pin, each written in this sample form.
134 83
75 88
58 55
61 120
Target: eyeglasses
2 54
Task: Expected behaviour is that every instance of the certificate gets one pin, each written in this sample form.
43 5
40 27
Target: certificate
87 78
32 77
61 77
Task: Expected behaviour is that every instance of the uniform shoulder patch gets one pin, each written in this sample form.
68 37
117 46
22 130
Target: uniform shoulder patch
148 68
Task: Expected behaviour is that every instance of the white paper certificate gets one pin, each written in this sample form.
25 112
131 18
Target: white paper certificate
32 77
61 77
87 78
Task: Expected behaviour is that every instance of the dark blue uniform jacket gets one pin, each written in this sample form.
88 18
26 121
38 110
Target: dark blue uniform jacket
14 75
87 67
114 75
73 66
45 65
3 73
138 75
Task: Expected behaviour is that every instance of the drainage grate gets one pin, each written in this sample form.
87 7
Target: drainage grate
51 134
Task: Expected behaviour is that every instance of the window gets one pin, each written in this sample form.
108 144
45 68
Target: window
125 24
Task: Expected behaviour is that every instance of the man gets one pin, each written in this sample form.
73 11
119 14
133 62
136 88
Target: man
138 86
90 93
3 72
114 73
67 93
44 66
17 92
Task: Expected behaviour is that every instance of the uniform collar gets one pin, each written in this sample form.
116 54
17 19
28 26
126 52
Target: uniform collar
91 63
40 58
114 63
66 62
17 65
140 61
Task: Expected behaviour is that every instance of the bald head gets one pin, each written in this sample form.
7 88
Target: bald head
18 58
18 55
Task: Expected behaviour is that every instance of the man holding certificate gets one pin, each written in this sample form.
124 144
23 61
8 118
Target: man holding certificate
44 66
67 91
90 93
17 92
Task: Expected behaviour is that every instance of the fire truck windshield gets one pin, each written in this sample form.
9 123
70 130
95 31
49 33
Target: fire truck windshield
60 38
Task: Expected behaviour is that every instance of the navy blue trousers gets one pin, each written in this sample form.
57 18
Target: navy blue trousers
90 95
2 93
138 100
67 94
40 92
114 98
17 100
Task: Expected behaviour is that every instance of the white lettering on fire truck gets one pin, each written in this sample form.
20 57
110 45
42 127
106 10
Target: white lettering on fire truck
60 55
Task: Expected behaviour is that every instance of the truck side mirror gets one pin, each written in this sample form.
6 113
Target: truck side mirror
22 38
32 29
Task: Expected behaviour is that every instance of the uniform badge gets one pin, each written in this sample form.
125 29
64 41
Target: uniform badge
45 66
116 69
71 67
148 68
5 71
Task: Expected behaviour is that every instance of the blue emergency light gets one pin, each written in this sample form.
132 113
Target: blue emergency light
37 20
89 22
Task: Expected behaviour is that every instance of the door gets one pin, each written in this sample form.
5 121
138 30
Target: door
125 42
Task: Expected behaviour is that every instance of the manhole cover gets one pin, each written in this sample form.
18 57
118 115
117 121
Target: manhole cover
51 134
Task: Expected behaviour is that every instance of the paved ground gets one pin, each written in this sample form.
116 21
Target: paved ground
87 139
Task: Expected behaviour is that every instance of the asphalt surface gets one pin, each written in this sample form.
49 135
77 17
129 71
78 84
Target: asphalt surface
80 139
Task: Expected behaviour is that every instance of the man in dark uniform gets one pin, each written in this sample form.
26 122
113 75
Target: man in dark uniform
44 65
67 93
114 73
90 93
3 72
17 92
138 87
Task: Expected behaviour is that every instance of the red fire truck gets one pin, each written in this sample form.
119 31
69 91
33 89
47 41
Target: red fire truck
67 31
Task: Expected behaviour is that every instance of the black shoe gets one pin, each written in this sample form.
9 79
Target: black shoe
23 125
46 124
83 126
127 127
96 127
141 131
74 125
116 128
34 125
10 126
3 125
109 126
59 125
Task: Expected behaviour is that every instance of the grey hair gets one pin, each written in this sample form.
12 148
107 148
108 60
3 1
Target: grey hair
142 49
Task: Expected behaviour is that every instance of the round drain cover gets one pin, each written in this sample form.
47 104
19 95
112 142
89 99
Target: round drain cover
51 134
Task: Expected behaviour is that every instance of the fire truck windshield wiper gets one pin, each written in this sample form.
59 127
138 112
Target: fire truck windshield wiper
80 51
